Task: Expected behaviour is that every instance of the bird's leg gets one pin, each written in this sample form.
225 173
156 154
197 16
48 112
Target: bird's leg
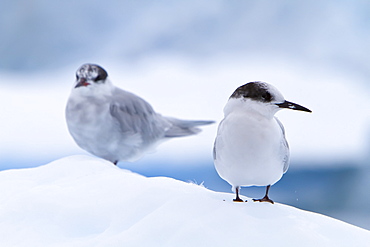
266 197
237 199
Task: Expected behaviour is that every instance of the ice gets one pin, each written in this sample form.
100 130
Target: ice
86 201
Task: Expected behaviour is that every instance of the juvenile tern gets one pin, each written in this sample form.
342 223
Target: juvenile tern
114 124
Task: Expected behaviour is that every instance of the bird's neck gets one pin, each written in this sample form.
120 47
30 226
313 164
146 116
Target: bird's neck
96 91
247 106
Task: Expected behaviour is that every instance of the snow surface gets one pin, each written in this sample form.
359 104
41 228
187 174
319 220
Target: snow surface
86 201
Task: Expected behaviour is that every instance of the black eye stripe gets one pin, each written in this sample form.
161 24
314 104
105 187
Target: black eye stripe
102 74
98 78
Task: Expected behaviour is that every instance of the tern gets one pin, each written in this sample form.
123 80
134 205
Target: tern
114 124
250 147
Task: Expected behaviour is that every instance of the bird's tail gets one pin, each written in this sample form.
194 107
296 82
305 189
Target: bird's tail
181 128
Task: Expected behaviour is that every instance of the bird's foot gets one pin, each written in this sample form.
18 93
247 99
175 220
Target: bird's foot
265 199
238 200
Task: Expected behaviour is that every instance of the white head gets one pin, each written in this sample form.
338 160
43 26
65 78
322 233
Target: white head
92 79
263 98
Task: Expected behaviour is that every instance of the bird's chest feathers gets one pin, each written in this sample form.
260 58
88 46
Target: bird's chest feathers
88 114
252 132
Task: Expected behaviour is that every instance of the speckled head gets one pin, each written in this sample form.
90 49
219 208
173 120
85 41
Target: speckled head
88 73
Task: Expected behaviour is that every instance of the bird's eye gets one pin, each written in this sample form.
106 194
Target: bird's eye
266 96
98 78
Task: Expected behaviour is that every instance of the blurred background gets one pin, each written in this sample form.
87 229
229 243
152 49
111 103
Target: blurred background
186 58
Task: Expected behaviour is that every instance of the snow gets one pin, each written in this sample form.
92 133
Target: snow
86 201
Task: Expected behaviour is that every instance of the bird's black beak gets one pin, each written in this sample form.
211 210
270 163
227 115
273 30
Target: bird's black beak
292 106
82 82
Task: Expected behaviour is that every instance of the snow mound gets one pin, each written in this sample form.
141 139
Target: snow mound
85 201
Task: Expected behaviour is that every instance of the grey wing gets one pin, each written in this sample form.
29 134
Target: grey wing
284 147
181 127
136 117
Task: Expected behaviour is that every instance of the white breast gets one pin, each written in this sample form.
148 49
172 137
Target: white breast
248 149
